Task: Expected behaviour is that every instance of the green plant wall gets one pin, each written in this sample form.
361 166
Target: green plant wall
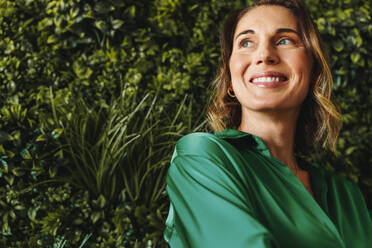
75 75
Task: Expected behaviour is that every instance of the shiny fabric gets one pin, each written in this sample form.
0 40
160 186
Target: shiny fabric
226 190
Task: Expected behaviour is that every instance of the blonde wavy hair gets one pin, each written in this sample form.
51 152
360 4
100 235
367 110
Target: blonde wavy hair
319 120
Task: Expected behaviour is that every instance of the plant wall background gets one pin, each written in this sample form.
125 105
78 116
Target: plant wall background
95 93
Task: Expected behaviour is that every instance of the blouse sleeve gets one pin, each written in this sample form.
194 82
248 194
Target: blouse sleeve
208 204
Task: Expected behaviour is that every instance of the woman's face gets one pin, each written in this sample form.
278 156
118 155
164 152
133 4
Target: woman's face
270 68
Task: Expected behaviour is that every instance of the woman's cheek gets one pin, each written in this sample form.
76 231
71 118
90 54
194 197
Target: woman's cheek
238 65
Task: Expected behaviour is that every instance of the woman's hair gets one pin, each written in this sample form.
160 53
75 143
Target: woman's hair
319 120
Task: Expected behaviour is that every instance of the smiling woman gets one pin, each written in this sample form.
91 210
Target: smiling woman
247 185
269 65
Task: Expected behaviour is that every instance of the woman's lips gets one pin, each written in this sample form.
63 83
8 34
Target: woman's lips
268 79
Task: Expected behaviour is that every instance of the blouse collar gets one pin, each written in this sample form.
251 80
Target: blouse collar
235 136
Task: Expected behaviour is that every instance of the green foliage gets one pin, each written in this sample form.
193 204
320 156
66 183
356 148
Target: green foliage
112 161
82 163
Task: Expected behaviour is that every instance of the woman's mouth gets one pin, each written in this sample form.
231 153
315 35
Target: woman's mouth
268 79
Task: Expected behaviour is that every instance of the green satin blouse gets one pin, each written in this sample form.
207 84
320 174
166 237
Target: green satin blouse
226 190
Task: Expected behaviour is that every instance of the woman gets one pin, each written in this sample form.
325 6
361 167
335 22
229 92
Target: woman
246 186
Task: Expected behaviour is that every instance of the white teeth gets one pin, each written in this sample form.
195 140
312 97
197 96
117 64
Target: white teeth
266 79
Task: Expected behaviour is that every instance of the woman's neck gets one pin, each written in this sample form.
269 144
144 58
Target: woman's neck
277 130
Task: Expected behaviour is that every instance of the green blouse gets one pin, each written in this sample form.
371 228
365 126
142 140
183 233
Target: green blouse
226 190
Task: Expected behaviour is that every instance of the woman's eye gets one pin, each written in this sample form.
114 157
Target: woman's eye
285 42
246 43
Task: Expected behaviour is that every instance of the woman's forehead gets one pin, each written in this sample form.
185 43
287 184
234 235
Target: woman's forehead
266 18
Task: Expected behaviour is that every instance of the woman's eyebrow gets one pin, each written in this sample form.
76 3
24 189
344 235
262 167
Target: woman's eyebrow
248 31
278 31
287 30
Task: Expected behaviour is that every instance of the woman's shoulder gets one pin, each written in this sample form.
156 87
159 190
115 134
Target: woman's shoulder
343 182
201 143
207 151
229 141
338 182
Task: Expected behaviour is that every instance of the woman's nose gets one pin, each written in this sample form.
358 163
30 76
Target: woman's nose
266 54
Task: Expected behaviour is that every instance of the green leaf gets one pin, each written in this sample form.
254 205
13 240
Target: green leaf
52 39
355 56
19 207
116 24
9 179
96 215
18 171
338 45
4 137
321 23
101 201
132 10
358 41
41 137
78 221
102 7
350 150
